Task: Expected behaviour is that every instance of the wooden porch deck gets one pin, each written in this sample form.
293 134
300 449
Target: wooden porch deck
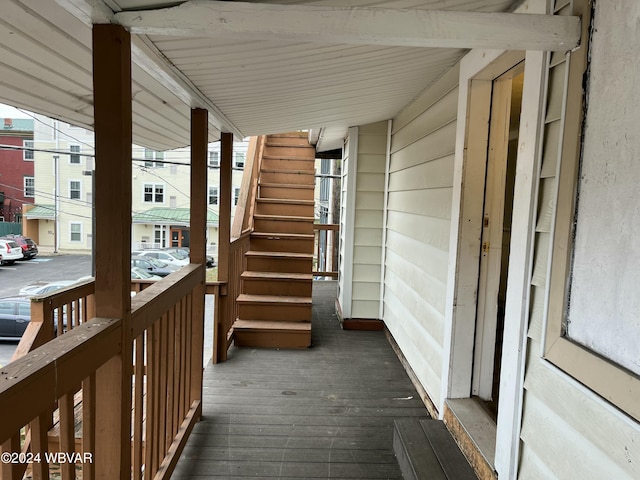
323 412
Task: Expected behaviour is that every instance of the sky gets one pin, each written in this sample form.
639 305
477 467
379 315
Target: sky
9 112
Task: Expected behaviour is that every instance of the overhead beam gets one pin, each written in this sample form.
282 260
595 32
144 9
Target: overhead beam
358 25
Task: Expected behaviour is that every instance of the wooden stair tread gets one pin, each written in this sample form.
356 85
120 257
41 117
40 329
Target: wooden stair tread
288 185
278 276
287 218
287 201
298 158
271 325
287 171
270 299
283 236
256 253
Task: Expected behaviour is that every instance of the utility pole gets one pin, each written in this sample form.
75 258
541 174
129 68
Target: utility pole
55 203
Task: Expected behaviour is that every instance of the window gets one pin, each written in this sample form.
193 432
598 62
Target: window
153 159
29 187
27 154
236 195
74 189
213 195
214 159
173 201
239 159
75 232
75 154
153 193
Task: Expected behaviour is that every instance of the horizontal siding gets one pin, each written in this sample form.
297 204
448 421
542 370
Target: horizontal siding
418 227
596 441
372 148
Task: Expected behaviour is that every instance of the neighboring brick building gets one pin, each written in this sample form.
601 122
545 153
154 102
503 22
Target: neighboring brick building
16 168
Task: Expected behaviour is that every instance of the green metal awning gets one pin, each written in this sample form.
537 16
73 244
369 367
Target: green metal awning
46 212
171 216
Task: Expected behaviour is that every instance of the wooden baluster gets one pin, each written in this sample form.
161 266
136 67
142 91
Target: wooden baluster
89 425
138 407
170 359
149 398
67 433
10 470
39 445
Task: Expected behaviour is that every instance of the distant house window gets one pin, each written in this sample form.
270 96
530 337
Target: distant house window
239 159
153 193
153 159
213 195
75 232
75 154
173 201
28 149
74 189
214 159
29 187
236 195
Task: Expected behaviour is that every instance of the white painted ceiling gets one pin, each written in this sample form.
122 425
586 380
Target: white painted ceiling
250 86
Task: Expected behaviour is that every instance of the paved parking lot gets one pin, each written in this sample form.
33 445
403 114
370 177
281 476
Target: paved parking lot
45 268
65 267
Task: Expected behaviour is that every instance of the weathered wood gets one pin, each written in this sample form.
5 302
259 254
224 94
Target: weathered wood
39 444
138 407
67 433
359 25
113 136
56 368
89 424
11 470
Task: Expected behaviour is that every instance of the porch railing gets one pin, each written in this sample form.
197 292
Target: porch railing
325 258
49 394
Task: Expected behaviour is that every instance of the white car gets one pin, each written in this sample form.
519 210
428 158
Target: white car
138 273
166 257
10 251
42 288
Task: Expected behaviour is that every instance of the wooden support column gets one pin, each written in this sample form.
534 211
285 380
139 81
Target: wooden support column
198 240
112 114
224 240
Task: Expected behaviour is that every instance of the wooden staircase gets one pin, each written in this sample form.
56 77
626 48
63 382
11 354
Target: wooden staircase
274 308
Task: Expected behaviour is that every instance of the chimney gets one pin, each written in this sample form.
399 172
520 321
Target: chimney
8 123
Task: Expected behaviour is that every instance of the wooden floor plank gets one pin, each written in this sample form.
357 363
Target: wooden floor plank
323 412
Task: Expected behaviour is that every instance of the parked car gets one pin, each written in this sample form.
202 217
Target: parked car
43 287
15 315
138 273
211 262
11 251
153 266
29 247
165 257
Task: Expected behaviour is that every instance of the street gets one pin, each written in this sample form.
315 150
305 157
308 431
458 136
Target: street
66 267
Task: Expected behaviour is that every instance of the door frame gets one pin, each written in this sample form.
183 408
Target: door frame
477 71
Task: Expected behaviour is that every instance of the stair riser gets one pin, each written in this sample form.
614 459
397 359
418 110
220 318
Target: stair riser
287 139
285 164
294 209
272 339
278 149
290 178
280 265
277 312
283 226
270 287
286 193
281 245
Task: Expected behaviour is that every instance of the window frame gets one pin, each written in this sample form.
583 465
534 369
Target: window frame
239 159
215 196
154 192
213 162
79 233
33 186
75 156
603 376
28 153
71 190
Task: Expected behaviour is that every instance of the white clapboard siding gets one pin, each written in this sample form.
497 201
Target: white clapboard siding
567 430
418 226
368 220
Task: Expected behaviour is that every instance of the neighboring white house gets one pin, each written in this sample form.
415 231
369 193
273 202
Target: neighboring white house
63 190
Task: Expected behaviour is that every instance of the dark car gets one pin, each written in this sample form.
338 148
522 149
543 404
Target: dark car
153 266
15 315
29 247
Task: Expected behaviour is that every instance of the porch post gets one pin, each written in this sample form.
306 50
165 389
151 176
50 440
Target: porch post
112 115
224 240
197 242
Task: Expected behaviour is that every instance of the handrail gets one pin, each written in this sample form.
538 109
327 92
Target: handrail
243 218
